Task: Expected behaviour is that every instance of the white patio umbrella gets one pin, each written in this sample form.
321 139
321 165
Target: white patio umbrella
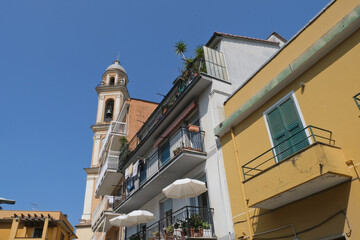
140 216
185 188
121 221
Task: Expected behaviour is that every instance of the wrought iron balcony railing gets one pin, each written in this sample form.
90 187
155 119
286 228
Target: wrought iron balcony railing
182 140
285 149
184 223
357 100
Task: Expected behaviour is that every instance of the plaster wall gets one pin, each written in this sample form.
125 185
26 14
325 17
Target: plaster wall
243 57
210 113
84 233
139 111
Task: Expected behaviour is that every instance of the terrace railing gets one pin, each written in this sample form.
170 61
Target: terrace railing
111 163
106 204
184 223
115 128
293 144
182 140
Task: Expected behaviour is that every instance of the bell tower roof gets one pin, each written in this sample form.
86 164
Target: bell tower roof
116 66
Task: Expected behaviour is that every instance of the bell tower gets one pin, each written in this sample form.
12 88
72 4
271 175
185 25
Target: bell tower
112 92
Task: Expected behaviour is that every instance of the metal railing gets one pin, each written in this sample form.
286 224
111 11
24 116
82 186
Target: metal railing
111 163
115 128
285 149
106 204
184 223
182 140
357 100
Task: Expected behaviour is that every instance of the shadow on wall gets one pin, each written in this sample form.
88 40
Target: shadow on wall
315 217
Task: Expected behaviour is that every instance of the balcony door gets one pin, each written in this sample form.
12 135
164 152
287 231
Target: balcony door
286 127
164 153
166 212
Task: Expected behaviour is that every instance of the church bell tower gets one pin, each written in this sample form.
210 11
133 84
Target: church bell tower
112 92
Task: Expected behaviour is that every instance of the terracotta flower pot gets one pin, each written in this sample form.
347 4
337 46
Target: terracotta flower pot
193 128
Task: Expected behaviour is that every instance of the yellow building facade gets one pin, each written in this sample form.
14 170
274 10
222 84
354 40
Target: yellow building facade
36 225
291 136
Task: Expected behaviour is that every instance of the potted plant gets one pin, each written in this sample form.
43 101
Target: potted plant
170 230
164 108
195 222
178 229
156 234
193 128
177 150
206 229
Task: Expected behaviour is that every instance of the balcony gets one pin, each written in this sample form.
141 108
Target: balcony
108 176
178 155
102 214
111 140
186 223
281 175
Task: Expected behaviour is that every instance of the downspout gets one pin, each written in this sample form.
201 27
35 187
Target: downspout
245 202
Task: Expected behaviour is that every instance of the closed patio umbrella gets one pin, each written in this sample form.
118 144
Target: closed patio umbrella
185 188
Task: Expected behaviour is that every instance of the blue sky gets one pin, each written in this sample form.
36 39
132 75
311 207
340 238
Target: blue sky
53 53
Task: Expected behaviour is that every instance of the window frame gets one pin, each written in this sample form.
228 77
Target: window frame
297 107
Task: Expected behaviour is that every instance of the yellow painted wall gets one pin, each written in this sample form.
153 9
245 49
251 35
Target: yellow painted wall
327 102
54 232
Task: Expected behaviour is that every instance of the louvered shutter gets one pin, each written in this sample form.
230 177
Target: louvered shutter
279 134
293 125
215 63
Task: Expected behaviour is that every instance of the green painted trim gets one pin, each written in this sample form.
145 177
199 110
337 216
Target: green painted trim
284 74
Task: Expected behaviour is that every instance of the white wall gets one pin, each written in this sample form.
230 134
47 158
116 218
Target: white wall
211 113
244 57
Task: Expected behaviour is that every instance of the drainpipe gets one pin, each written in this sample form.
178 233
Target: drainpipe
242 185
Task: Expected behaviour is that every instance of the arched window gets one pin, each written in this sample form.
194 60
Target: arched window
112 81
109 110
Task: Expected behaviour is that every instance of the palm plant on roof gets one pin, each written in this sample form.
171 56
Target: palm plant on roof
199 51
181 48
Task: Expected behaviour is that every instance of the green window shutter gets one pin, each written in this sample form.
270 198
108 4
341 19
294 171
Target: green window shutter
286 129
293 125
279 134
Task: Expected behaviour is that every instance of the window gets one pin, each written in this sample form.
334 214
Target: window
112 81
62 236
285 128
109 109
37 232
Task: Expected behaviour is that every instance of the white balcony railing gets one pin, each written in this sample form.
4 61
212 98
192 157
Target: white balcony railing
105 205
115 128
111 164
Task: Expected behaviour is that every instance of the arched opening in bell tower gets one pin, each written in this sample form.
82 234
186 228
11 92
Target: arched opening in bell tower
112 81
109 110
